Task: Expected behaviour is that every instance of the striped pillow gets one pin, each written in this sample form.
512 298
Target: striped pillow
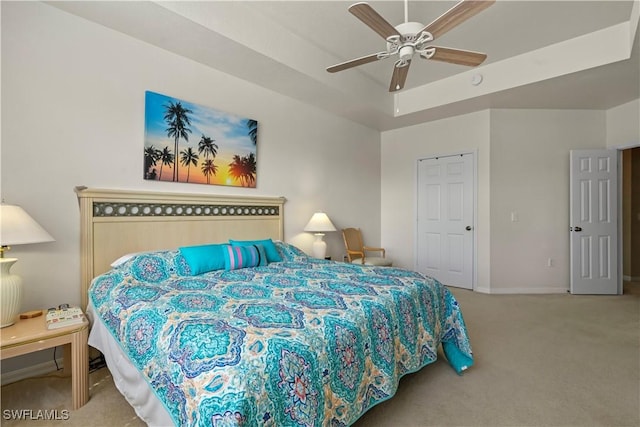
269 247
244 256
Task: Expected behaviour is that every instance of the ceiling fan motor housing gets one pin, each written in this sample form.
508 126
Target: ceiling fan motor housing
409 29
412 39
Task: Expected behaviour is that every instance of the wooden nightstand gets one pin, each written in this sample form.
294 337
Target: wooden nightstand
29 335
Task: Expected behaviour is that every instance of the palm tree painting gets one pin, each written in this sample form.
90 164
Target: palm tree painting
224 154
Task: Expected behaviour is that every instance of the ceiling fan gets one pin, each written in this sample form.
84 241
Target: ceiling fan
410 38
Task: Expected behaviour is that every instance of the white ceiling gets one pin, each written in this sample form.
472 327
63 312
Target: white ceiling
541 54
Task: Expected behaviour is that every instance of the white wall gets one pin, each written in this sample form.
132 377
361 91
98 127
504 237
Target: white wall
401 149
623 125
73 114
530 177
523 167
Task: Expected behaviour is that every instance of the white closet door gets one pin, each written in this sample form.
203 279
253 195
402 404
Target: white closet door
445 219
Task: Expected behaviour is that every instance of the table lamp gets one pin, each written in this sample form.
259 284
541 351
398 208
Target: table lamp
318 225
16 228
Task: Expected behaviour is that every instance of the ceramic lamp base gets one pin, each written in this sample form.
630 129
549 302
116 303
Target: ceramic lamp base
10 293
319 248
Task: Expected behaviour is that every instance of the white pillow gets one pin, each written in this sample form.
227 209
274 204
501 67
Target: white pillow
124 258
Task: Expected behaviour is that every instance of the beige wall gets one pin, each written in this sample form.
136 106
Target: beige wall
401 149
530 176
631 214
623 125
623 131
523 167
73 114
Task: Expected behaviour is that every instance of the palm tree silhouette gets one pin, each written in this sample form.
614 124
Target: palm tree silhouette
208 147
253 130
166 158
249 163
243 169
209 168
151 157
177 118
235 169
187 158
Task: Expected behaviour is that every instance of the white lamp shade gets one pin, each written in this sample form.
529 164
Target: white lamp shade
18 228
319 223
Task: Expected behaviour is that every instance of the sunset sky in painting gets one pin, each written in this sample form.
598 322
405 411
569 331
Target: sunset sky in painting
228 131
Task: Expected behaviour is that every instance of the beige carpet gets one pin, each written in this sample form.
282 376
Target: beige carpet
541 360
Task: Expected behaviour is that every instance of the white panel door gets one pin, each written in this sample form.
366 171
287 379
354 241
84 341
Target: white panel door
594 222
444 247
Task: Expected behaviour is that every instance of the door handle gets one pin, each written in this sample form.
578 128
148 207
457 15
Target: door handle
468 228
577 228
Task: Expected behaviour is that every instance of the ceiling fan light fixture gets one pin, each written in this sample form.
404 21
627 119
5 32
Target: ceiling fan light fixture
405 53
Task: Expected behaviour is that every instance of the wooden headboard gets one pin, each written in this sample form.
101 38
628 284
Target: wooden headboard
116 222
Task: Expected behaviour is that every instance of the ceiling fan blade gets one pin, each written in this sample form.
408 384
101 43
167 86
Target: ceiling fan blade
373 20
456 16
457 56
358 61
399 77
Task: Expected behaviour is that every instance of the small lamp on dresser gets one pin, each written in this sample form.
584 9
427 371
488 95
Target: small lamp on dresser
318 225
16 228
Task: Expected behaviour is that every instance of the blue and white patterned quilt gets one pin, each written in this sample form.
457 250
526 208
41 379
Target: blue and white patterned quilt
298 342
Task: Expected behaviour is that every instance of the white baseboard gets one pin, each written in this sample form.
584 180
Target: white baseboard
505 291
31 371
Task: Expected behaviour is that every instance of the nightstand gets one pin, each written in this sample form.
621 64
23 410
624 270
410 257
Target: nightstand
29 335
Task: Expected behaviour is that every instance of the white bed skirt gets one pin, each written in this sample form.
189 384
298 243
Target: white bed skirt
126 377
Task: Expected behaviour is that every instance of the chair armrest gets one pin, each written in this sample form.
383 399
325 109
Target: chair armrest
359 253
372 249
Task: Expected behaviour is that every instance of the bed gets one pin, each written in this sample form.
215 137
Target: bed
211 319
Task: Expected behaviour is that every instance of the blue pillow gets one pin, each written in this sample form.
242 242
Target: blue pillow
244 256
203 258
270 248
